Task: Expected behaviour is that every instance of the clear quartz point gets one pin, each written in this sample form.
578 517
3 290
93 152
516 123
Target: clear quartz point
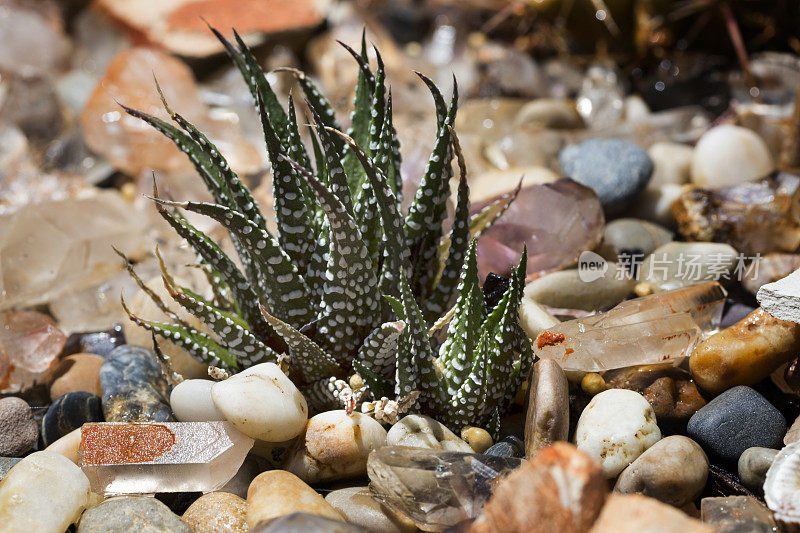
737 514
436 489
654 329
147 458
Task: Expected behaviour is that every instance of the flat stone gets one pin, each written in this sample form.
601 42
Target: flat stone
616 170
120 515
635 237
217 512
738 419
278 493
555 113
68 413
753 465
191 401
682 264
567 289
361 509
134 387
674 470
77 372
547 417
729 155
633 513
781 298
18 429
737 514
420 431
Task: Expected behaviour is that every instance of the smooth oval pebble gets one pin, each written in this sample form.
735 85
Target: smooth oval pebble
277 493
336 446
68 413
134 387
729 155
43 493
420 431
753 465
77 372
131 513
615 428
191 401
360 508
262 403
68 446
682 264
217 512
547 418
635 237
510 446
18 429
567 290
671 163
674 470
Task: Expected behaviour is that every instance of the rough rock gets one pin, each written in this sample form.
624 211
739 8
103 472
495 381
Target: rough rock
781 298
217 512
18 429
132 513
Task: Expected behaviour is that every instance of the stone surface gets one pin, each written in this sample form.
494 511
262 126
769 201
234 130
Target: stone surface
68 446
126 458
44 492
77 372
336 445
616 170
478 439
780 486
420 431
191 401
143 514
262 403
29 344
729 155
36 40
662 327
753 465
251 467
634 237
18 429
534 318
305 523
615 428
633 513
768 268
68 413
547 417
555 113
359 508
570 220
436 489
134 387
655 204
214 512
736 514
737 419
278 493
510 446
745 353
673 470
755 218
781 299
6 464
682 264
567 289
560 489
671 163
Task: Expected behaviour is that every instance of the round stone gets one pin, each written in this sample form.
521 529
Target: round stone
567 290
615 169
360 508
729 155
191 401
753 465
217 512
478 438
671 163
18 429
634 237
134 387
278 493
140 514
68 413
616 427
420 431
77 372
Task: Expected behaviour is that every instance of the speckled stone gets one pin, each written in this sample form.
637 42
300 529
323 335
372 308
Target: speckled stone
18 429
123 515
616 170
6 464
737 419
68 413
134 387
217 512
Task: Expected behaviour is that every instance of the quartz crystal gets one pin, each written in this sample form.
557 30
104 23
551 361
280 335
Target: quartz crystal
737 514
756 217
436 489
146 458
29 343
654 329
600 101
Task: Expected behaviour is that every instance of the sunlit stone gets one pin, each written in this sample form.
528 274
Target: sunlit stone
737 514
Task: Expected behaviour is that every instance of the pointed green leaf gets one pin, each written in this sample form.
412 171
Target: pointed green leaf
379 349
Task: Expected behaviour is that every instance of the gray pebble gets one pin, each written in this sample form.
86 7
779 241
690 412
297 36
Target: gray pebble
6 464
140 514
18 429
753 465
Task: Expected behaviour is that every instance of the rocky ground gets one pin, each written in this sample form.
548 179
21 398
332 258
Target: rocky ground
661 217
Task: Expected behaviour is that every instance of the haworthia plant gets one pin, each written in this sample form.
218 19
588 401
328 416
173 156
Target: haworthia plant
348 284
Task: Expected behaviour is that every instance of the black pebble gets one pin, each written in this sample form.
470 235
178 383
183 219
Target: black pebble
68 413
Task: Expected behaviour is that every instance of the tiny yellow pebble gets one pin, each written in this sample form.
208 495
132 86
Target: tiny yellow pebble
128 191
356 382
643 289
478 439
593 383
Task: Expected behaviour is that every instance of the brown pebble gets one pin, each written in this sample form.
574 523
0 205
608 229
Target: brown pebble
77 372
217 512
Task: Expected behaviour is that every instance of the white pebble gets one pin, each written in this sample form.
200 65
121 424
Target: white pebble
729 155
419 431
191 401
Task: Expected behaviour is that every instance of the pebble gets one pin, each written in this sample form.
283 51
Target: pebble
553 113
305 523
566 290
615 169
616 427
132 513
278 493
77 372
671 163
477 438
6 464
251 467
217 512
67 446
336 446
68 413
634 513
744 353
361 509
674 470
737 419
262 403
510 446
18 429
43 493
534 318
729 155
635 237
753 465
420 431
655 204
668 267
780 298
191 401
547 417
134 387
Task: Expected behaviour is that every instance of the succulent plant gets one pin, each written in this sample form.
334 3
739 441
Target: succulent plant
348 284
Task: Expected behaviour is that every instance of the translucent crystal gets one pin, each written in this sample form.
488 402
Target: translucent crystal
129 458
600 101
29 343
436 489
654 329
737 514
